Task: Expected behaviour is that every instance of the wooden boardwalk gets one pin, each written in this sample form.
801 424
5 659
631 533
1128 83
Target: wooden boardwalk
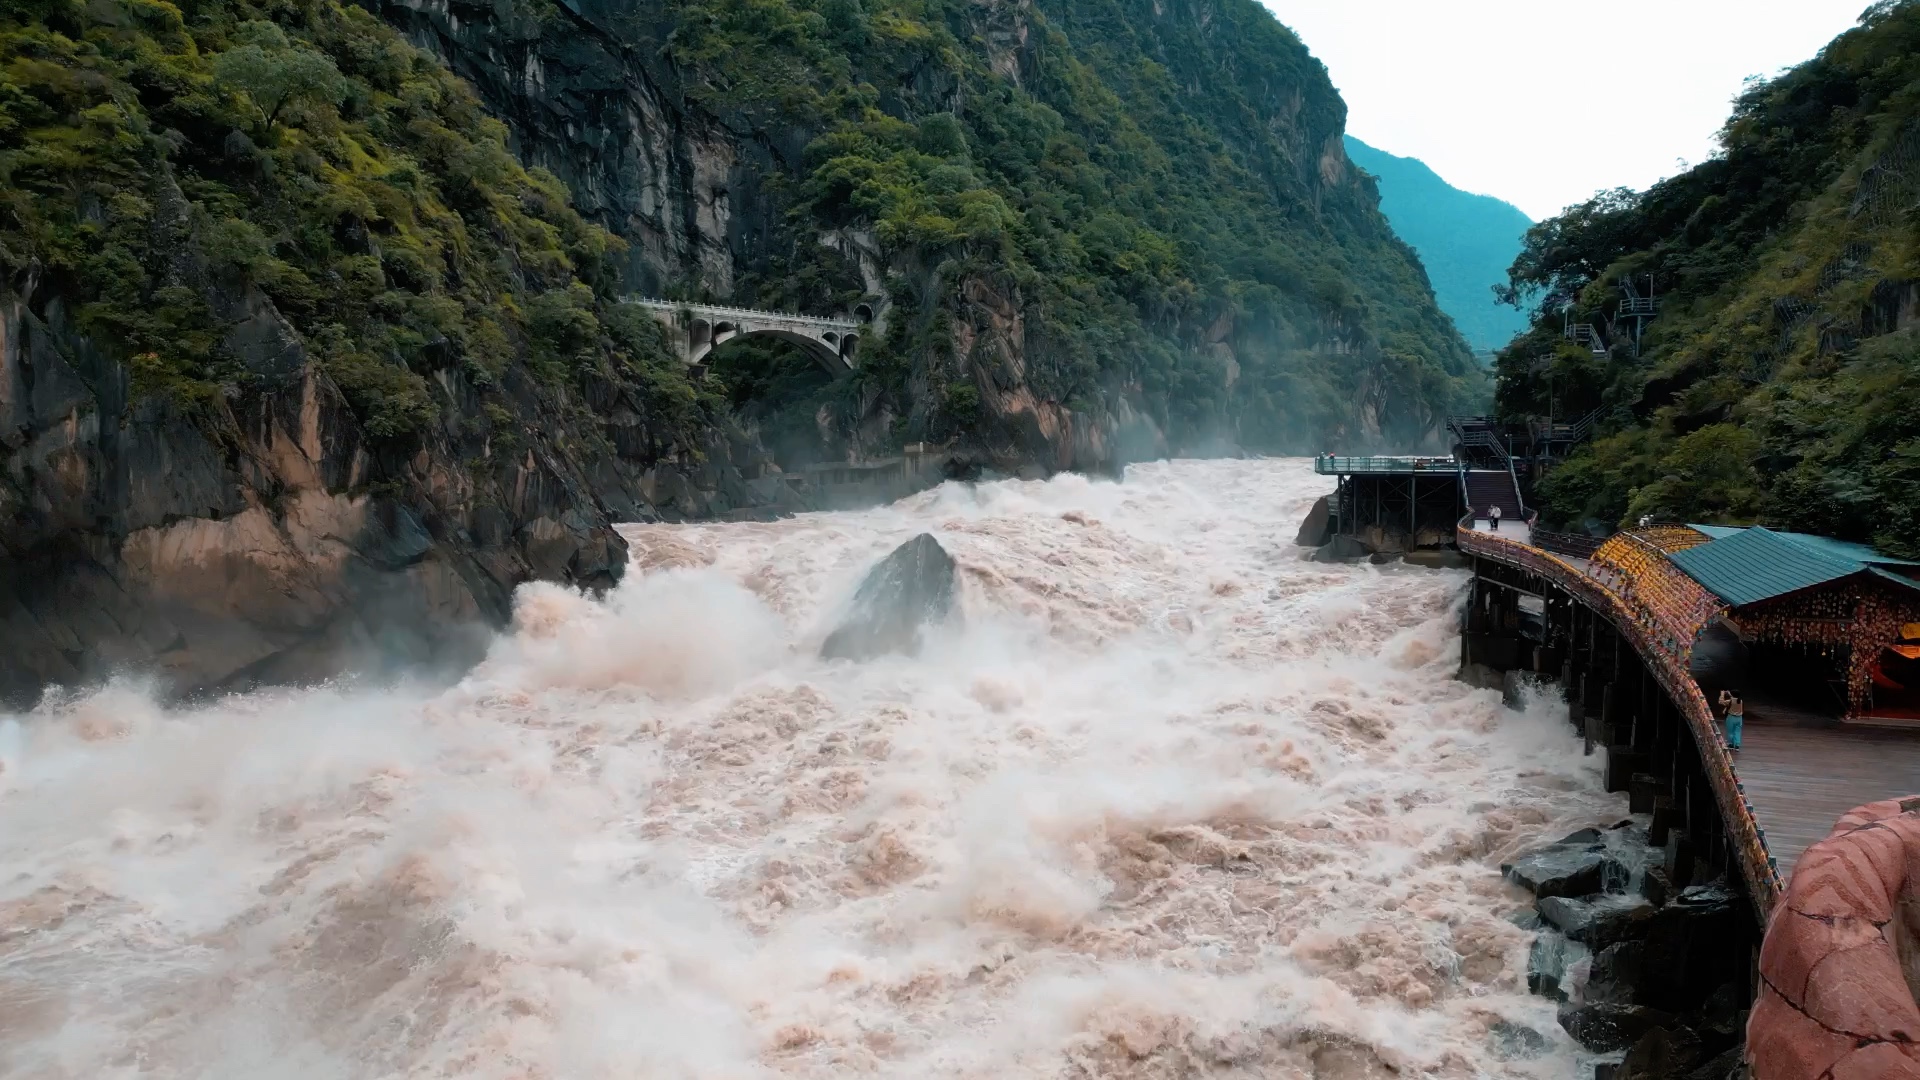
1798 772
1801 772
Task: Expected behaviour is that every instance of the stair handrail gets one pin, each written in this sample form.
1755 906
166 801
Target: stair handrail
1585 334
1487 440
1515 477
1584 426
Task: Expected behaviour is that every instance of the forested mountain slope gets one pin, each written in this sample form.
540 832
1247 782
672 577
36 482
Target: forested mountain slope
1780 381
312 342
1082 212
1466 241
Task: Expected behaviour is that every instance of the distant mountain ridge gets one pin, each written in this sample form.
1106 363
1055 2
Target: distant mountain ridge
1467 241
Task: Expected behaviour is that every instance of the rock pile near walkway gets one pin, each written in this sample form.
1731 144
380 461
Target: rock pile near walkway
1840 968
1639 965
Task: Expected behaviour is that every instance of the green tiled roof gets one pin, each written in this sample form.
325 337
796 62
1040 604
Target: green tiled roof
1847 550
1747 566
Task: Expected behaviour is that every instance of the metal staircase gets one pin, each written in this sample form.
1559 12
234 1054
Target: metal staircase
1587 334
1556 436
1479 441
1490 487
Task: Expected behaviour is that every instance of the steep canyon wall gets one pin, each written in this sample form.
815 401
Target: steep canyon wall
303 372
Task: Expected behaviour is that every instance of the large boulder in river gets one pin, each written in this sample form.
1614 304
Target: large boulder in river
1597 921
908 590
1694 943
1318 528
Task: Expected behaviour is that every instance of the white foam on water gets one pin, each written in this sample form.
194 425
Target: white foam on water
1166 802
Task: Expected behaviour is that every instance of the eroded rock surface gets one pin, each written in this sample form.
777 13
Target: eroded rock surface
1317 529
1839 968
1574 867
265 538
909 590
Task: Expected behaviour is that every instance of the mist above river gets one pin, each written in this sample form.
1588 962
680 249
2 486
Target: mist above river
1165 802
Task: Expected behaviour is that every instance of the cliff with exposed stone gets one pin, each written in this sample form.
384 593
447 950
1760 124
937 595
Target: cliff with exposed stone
707 190
1067 269
268 540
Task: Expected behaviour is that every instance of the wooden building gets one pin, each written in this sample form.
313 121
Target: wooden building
1829 623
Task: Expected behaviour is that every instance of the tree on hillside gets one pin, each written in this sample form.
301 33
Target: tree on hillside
275 72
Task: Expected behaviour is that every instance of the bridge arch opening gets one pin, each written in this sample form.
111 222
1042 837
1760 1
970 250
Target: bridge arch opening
777 386
834 356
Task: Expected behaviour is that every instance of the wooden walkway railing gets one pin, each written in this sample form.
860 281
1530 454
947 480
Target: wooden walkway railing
1561 543
1664 640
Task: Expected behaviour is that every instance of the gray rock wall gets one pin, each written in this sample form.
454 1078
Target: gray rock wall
262 538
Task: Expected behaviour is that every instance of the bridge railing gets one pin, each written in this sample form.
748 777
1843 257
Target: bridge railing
745 313
1667 650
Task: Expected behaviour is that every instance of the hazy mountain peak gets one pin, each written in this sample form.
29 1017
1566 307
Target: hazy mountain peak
1467 241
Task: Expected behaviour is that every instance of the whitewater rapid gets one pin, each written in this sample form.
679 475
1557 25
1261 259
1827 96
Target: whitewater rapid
1167 802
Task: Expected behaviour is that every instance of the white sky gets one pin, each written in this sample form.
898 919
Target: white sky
1488 92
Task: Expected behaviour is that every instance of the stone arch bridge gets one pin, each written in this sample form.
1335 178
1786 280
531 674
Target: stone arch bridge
696 329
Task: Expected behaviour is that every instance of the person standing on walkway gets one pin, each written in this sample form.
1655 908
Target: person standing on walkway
1493 515
1736 718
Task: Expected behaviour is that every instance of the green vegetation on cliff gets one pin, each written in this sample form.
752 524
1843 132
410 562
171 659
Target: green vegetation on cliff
1156 191
1780 381
1133 202
163 167
1467 241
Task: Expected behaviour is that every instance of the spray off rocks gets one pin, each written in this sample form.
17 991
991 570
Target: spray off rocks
909 590
1648 975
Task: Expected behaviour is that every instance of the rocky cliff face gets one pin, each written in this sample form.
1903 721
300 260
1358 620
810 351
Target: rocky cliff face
269 540
296 385
580 89
300 384
706 187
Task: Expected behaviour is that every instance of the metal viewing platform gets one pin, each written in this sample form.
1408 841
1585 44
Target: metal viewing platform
1329 465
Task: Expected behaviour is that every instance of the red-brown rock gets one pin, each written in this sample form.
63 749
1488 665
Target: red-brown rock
1836 1003
1878 1062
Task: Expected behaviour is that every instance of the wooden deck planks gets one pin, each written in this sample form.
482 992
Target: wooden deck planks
1800 777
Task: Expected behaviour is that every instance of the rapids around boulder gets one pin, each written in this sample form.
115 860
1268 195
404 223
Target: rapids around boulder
908 590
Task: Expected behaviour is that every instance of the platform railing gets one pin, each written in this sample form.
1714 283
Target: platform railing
1330 465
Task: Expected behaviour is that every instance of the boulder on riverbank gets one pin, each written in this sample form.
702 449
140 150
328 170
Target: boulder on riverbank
1341 549
1599 921
1605 1027
1318 528
1438 559
1575 866
1658 977
907 591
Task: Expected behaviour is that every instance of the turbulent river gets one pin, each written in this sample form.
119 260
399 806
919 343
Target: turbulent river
1168 802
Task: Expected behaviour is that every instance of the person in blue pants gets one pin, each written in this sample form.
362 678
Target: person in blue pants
1736 717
